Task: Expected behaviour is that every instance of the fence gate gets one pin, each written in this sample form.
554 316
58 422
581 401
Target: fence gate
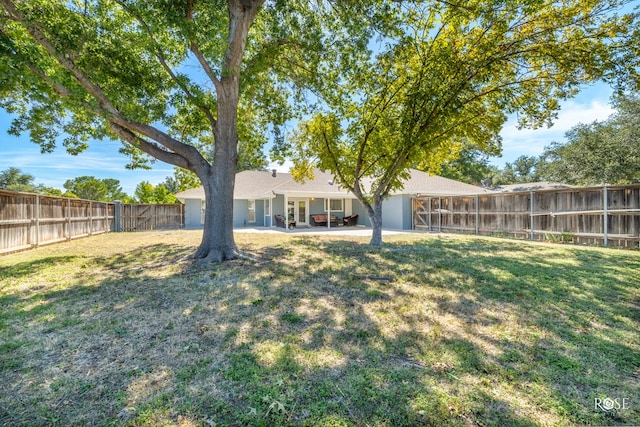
147 217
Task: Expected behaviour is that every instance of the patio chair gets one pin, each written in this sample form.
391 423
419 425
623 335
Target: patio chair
350 221
279 221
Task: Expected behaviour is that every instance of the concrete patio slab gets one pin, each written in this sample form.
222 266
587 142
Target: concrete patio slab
319 231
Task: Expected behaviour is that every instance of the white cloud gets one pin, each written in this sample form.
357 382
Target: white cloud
284 168
530 142
101 160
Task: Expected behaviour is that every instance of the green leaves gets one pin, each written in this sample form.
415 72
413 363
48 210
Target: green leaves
92 188
450 75
14 180
600 152
457 71
147 193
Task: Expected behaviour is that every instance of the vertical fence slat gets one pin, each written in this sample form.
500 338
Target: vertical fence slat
605 215
532 215
477 205
429 201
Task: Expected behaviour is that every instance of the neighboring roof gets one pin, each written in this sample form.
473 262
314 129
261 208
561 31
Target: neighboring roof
531 186
425 184
262 184
192 193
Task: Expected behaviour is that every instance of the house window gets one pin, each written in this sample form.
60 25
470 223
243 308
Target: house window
336 205
251 207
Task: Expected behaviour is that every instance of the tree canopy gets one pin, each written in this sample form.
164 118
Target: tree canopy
189 83
450 75
149 193
393 84
606 152
471 165
92 188
601 152
181 180
13 179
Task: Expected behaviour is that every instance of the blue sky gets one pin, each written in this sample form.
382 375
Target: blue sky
102 159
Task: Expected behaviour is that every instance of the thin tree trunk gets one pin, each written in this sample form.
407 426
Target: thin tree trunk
375 216
374 212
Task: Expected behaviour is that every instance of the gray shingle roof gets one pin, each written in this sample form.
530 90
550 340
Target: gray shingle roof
423 183
261 184
532 186
258 184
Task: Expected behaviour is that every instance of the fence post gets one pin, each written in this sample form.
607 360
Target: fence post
37 220
430 222
477 201
90 218
605 216
414 217
531 215
68 218
117 216
440 214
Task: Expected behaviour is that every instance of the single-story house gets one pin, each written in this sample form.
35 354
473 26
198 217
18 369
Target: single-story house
260 196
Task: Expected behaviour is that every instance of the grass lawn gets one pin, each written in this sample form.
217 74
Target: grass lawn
121 329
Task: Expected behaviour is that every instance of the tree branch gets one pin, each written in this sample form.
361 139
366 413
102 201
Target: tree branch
37 33
107 109
241 15
151 148
193 47
163 62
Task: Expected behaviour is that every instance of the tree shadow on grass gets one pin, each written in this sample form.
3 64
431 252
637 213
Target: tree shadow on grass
322 332
29 268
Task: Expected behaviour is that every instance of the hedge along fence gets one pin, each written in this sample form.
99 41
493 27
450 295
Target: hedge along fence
608 215
31 220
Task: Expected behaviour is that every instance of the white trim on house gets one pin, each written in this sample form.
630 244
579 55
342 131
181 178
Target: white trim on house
331 201
299 205
251 211
348 207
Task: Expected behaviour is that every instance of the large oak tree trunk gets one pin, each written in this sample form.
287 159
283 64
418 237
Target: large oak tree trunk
218 181
218 243
218 240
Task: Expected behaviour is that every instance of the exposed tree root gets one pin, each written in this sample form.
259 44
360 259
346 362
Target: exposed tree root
206 255
217 255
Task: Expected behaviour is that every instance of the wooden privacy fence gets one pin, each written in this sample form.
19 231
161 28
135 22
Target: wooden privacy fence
150 217
608 215
30 220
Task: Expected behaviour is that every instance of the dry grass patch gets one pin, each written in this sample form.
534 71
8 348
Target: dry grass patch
122 329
